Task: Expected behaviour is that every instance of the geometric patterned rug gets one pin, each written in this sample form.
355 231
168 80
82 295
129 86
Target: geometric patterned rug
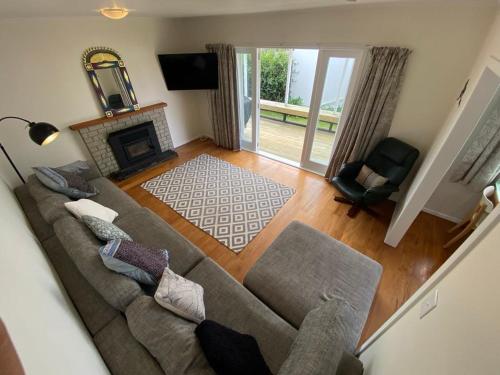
229 203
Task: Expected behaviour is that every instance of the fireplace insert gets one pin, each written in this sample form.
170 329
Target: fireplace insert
136 148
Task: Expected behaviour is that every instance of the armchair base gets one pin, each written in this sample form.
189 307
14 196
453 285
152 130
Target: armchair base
356 207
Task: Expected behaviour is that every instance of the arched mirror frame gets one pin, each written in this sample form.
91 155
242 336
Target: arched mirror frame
95 58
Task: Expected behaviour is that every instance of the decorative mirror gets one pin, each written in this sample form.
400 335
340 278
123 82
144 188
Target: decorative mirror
110 80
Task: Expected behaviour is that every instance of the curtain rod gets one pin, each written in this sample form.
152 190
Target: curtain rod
300 45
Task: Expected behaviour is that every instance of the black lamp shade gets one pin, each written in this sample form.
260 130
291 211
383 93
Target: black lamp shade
42 133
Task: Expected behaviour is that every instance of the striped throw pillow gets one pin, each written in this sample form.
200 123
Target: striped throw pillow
369 179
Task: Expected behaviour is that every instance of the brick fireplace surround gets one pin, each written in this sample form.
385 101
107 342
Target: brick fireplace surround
95 133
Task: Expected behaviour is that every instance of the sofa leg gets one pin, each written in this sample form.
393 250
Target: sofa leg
353 211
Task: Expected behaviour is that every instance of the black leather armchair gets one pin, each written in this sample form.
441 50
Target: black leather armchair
391 158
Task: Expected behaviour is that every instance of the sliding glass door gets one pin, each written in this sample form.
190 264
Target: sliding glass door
248 108
291 101
336 75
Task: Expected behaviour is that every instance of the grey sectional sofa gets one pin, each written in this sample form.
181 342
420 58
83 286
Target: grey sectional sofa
136 336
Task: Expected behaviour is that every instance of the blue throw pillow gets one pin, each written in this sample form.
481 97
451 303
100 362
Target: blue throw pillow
139 262
71 184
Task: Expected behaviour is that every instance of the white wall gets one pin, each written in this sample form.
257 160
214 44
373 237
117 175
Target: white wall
459 337
453 199
46 330
445 38
458 126
42 79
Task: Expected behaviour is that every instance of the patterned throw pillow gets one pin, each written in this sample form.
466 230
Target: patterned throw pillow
134 260
369 179
70 184
104 230
181 296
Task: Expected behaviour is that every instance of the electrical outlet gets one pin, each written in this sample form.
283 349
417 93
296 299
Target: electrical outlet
428 304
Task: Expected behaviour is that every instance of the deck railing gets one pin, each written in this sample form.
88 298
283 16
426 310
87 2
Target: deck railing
286 110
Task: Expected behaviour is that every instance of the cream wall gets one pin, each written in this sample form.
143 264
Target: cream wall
456 129
459 337
452 199
42 79
45 328
445 38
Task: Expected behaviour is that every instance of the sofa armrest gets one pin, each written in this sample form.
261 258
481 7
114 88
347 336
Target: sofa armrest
325 334
350 170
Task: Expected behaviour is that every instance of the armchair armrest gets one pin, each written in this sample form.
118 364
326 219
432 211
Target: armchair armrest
350 170
379 193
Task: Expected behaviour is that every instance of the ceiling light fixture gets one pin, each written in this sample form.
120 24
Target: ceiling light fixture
114 13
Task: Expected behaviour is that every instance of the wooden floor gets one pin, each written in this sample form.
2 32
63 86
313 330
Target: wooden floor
287 140
406 267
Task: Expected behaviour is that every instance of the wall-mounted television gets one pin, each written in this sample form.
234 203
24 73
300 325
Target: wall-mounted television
190 71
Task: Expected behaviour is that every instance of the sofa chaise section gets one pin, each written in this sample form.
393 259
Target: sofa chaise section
304 267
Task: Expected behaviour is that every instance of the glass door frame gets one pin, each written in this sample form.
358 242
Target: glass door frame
253 144
324 56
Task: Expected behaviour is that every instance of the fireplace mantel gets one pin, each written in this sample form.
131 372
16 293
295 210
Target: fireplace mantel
104 119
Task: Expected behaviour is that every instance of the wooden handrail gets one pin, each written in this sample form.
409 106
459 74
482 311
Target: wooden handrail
297 110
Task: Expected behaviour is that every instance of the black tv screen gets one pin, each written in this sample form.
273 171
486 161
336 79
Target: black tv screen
190 71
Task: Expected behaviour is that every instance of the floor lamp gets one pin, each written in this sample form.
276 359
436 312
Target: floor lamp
41 133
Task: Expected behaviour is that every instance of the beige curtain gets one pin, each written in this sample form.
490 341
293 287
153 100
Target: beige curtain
223 102
479 164
371 114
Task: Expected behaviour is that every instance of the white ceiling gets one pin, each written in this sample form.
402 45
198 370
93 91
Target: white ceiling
175 8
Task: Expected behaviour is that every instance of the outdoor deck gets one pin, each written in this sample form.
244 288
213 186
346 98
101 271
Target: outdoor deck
286 140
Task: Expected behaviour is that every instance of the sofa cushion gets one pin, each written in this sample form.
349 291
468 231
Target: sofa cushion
169 338
147 228
42 229
230 352
52 208
113 197
304 267
37 190
93 309
327 331
121 351
50 203
229 303
83 248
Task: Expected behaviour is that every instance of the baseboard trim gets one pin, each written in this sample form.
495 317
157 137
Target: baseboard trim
198 137
453 219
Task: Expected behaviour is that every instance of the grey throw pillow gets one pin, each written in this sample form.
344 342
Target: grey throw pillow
139 262
369 179
181 296
104 230
70 184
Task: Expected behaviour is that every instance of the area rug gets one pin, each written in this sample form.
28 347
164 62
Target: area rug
230 203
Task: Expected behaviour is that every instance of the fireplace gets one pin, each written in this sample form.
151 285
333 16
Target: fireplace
136 148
